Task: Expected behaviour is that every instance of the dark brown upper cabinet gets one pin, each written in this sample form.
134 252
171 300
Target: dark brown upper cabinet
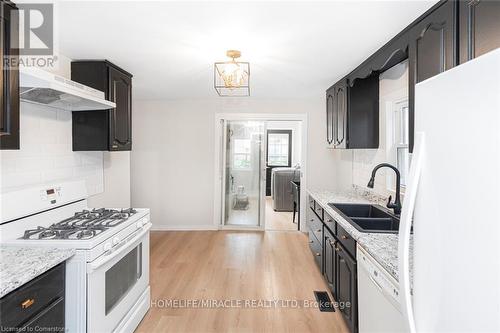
479 27
103 130
352 104
448 33
432 50
432 47
9 77
352 114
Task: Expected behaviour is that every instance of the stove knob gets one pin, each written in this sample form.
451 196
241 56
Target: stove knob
107 246
116 240
139 224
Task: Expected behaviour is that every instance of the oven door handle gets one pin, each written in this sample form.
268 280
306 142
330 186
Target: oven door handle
119 249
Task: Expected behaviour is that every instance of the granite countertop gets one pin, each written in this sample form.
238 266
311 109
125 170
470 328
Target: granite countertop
19 265
381 246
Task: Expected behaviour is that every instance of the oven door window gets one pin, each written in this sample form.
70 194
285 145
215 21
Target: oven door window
122 276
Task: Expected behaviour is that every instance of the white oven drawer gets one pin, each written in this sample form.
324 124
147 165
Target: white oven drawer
116 280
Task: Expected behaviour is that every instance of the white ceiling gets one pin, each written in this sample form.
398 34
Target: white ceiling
295 49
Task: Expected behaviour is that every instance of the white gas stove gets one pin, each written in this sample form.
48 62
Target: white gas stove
107 281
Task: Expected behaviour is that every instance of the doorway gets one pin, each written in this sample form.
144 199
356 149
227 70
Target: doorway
243 199
283 160
257 160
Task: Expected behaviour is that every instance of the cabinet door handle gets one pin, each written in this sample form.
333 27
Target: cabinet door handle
27 303
344 237
310 242
319 230
312 220
318 254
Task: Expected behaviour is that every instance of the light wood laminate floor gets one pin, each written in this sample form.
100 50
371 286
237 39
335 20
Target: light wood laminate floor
234 265
278 220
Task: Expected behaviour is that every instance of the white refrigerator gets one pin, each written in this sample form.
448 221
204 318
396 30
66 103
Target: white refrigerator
453 195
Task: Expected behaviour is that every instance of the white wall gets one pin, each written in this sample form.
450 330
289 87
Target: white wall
172 162
295 126
46 154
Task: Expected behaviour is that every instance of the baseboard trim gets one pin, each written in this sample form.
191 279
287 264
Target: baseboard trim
182 227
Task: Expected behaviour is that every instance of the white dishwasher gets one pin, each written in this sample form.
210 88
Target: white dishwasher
378 297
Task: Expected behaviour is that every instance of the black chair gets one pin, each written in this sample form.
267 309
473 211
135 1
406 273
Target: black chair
296 202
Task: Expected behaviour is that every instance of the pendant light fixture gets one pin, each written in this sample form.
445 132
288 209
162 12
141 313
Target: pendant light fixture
232 78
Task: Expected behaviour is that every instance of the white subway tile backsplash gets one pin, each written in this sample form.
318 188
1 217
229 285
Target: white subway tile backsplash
56 149
47 137
24 164
90 158
46 154
18 179
86 170
72 160
7 165
52 175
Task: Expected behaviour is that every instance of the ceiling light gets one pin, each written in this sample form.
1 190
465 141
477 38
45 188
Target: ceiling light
232 78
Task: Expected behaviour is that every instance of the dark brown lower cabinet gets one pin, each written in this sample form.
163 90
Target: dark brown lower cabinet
346 286
329 270
37 306
316 250
51 317
334 251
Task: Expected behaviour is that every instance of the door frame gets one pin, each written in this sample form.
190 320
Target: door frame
219 168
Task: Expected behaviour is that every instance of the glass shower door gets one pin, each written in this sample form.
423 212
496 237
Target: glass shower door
243 188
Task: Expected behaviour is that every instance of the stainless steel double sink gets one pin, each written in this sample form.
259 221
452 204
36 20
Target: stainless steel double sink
368 218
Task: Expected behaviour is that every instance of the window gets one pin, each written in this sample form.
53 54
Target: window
401 154
242 154
279 148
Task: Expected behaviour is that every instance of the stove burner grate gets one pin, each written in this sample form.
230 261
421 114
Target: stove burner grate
82 225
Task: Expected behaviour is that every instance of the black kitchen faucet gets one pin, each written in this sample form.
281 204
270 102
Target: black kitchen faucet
397 202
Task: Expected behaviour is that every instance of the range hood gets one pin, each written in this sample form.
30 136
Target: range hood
44 88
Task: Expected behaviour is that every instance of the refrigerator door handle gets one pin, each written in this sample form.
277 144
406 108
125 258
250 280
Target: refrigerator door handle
405 230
